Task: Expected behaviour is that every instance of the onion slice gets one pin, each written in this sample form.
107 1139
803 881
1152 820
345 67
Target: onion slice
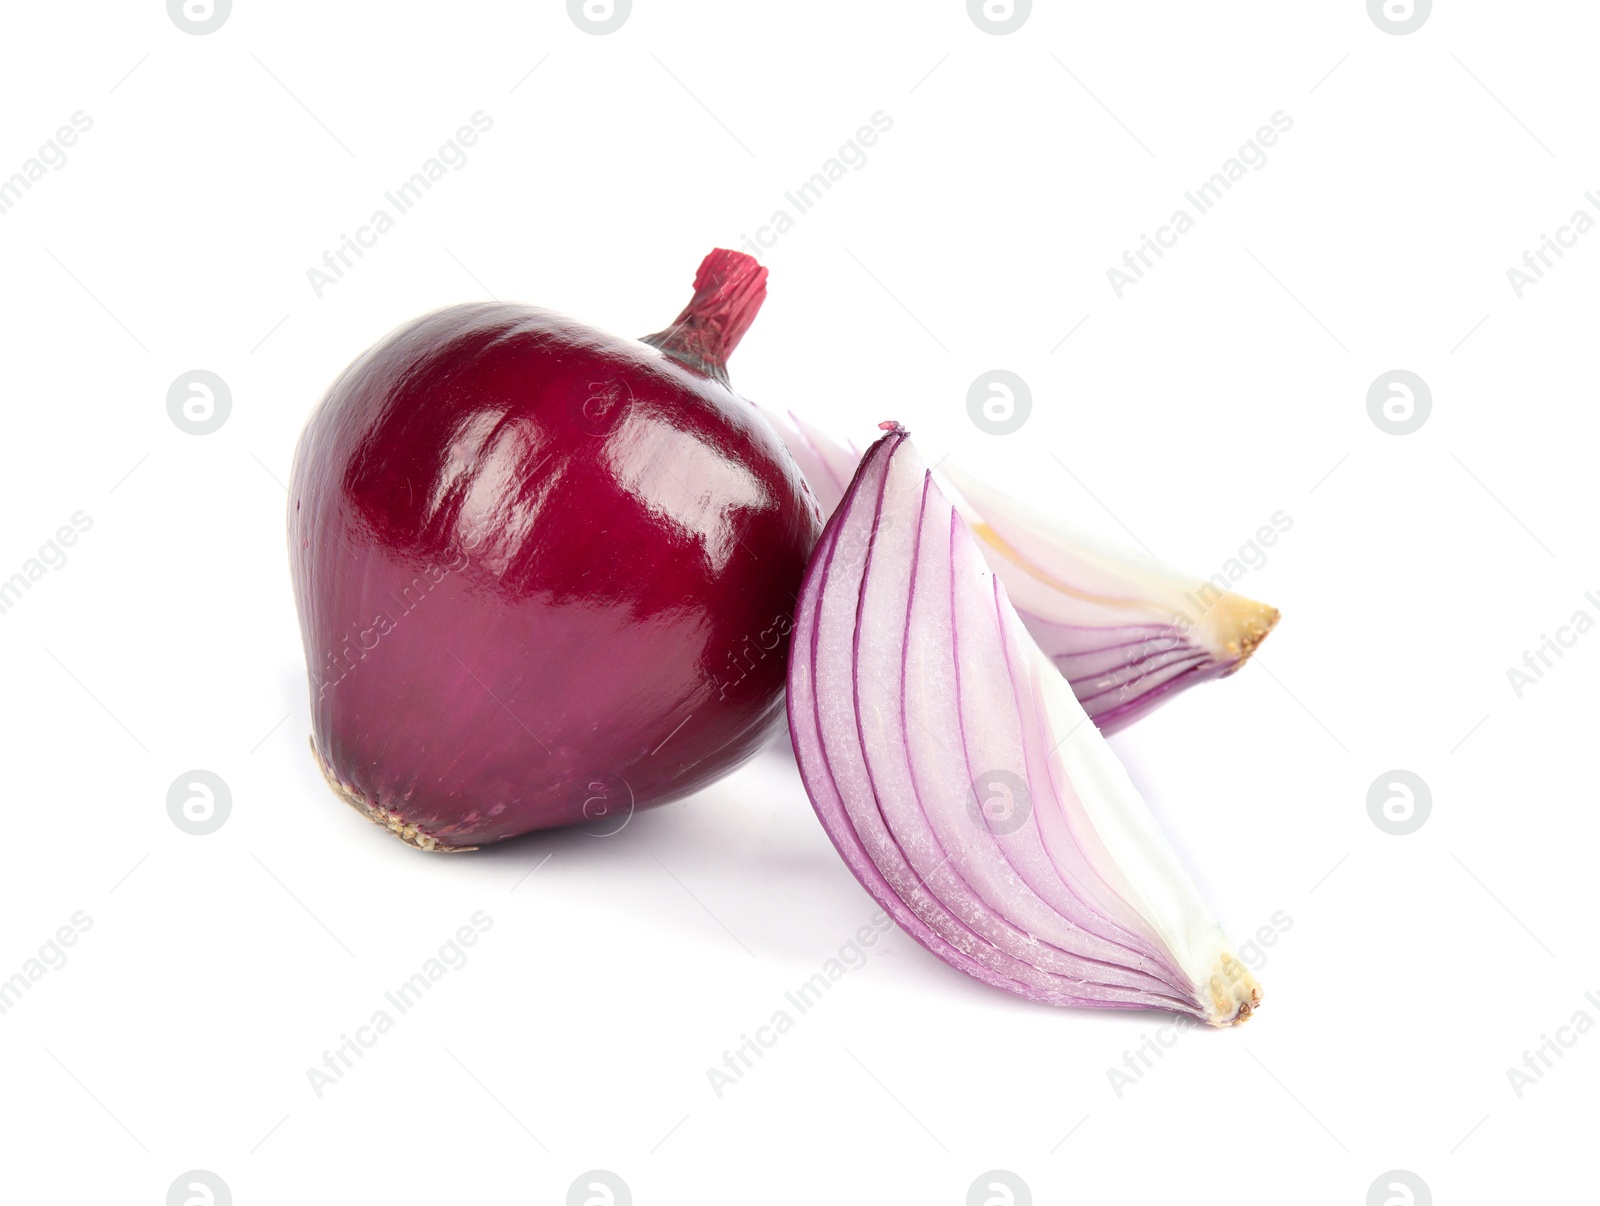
959 778
1125 630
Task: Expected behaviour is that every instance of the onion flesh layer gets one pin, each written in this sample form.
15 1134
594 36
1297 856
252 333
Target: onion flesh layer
1125 630
962 782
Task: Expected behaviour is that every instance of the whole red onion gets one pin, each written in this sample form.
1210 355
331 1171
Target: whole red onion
544 574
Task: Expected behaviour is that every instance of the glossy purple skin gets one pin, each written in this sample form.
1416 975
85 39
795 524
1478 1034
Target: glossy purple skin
544 575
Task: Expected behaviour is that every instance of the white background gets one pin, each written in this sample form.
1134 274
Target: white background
1228 384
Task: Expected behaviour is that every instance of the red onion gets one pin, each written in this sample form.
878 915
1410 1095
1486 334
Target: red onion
1126 631
544 574
962 782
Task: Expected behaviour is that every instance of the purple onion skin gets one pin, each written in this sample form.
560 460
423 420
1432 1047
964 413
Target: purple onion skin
544 575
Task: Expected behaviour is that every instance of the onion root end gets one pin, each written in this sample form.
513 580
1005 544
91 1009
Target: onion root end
393 822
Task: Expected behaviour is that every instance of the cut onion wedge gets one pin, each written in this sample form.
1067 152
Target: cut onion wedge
1125 630
962 782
